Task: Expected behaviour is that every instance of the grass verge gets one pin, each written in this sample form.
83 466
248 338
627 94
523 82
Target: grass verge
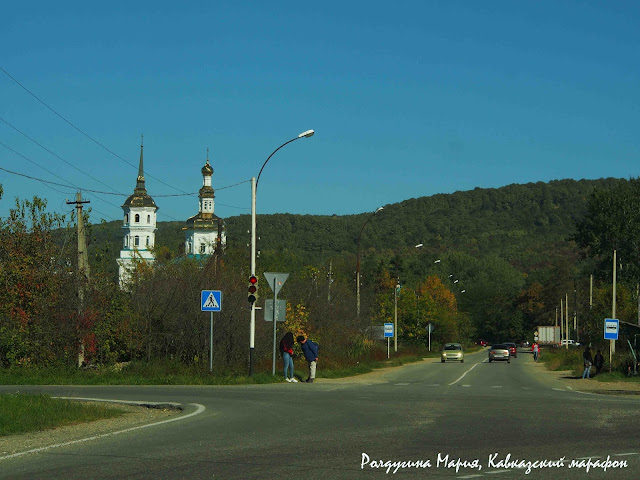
22 413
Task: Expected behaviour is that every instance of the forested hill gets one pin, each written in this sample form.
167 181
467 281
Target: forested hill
475 219
505 221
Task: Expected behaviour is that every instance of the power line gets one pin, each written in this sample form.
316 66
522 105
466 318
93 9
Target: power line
80 131
39 166
55 154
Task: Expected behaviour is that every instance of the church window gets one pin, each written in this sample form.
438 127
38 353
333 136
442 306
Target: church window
137 218
126 218
136 240
126 241
147 241
203 248
148 219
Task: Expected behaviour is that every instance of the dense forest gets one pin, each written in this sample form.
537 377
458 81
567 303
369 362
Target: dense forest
492 263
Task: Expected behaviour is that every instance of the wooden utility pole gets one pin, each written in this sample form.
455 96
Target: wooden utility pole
83 263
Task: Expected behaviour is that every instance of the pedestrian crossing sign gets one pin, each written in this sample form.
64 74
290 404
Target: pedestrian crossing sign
211 301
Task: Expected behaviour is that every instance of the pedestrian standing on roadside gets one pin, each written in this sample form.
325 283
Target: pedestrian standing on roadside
536 351
310 350
598 362
286 350
588 361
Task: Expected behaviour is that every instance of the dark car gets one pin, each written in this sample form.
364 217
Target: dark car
499 352
513 349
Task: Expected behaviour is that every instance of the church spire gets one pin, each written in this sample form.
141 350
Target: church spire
140 183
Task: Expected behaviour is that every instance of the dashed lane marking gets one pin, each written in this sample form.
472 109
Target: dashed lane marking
402 384
462 376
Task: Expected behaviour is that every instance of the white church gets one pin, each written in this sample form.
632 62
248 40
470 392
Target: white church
203 233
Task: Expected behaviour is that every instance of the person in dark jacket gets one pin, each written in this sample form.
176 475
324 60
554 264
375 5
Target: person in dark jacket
286 350
598 361
310 350
588 361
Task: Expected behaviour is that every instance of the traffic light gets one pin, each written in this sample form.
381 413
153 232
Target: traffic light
253 289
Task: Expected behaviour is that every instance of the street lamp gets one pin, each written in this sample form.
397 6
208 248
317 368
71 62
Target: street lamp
358 262
254 189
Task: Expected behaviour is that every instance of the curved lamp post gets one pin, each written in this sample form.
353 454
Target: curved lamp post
358 262
254 189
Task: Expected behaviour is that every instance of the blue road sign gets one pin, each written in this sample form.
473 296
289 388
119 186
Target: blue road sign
211 300
388 330
611 326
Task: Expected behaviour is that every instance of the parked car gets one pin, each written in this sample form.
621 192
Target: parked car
571 343
525 344
452 351
513 349
482 343
499 352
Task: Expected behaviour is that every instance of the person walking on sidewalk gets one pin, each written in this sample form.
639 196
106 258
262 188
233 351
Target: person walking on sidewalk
588 361
536 351
286 350
310 350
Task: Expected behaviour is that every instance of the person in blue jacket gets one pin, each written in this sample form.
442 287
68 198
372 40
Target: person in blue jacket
310 350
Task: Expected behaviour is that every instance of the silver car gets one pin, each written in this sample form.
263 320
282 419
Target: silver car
499 352
452 351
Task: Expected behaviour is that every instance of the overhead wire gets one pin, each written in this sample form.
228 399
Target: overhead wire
81 131
55 154
183 193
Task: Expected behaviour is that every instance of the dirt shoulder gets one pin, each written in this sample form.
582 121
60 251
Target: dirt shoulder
565 379
134 416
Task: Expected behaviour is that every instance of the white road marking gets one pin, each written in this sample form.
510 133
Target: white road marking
496 386
462 376
402 384
434 385
471 476
559 389
466 385
625 454
199 410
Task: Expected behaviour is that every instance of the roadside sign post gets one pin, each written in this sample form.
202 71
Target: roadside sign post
611 328
388 333
211 301
430 329
275 281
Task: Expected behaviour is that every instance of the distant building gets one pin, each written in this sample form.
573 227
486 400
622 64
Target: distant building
205 230
139 227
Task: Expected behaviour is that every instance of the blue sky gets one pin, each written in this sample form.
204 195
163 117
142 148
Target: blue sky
408 99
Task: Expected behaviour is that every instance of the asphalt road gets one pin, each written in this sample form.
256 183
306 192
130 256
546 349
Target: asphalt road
345 429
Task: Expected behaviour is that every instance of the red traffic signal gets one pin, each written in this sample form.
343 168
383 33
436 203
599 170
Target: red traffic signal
253 289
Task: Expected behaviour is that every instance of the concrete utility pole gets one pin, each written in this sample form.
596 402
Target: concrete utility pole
566 313
612 343
395 316
330 277
83 262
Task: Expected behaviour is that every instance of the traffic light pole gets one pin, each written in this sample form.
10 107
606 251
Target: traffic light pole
252 332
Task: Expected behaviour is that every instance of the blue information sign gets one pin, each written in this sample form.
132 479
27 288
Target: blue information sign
211 300
388 330
611 328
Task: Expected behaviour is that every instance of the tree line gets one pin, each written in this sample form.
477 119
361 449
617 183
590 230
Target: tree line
493 264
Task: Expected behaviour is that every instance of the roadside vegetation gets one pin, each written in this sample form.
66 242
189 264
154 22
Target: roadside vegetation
491 264
22 413
562 359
